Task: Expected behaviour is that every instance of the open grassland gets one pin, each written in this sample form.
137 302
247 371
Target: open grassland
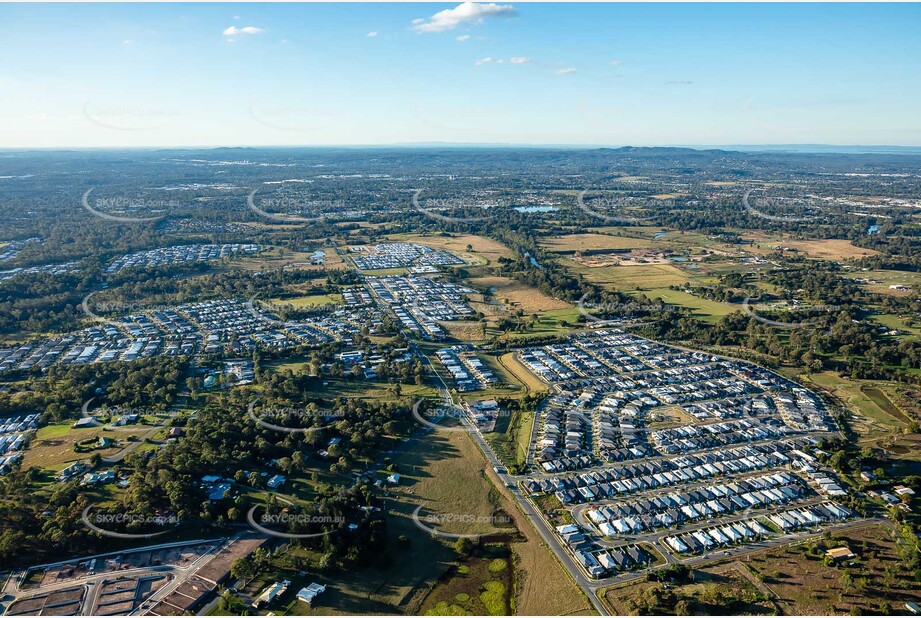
905 325
483 250
879 281
792 580
515 295
820 248
481 585
868 399
593 242
52 448
465 330
521 373
705 309
280 257
627 278
315 300
556 322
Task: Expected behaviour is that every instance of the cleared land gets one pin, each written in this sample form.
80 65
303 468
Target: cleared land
821 248
868 398
516 295
626 278
52 448
789 580
708 310
483 250
594 242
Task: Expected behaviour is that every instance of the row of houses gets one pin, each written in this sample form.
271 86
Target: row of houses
597 561
180 254
213 327
466 368
645 475
667 510
400 255
697 437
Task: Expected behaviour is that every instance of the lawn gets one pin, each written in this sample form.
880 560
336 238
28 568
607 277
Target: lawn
521 373
52 448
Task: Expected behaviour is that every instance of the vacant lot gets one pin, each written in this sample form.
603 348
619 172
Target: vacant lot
483 250
865 398
516 295
594 242
825 248
316 300
792 580
52 448
707 310
626 278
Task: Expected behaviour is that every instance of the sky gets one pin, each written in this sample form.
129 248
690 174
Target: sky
238 74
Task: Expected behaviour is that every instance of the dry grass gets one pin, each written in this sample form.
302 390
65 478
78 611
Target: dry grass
825 249
639 277
52 448
517 295
585 242
521 373
484 250
464 331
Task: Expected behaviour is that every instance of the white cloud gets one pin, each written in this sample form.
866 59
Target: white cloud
616 63
520 60
234 31
464 13
127 42
489 60
567 71
463 37
372 34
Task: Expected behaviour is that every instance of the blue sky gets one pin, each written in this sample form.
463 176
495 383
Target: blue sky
76 75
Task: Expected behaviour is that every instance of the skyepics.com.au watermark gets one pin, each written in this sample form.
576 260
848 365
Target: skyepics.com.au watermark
791 309
112 524
127 209
122 418
92 307
262 315
292 419
600 207
293 118
434 209
128 117
435 417
437 524
268 523
283 209
746 203
622 314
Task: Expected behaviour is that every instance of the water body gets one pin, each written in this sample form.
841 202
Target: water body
536 208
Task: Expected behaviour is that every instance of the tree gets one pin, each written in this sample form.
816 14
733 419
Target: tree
463 546
243 569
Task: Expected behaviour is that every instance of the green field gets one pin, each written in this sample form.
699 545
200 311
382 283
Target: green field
627 278
707 310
